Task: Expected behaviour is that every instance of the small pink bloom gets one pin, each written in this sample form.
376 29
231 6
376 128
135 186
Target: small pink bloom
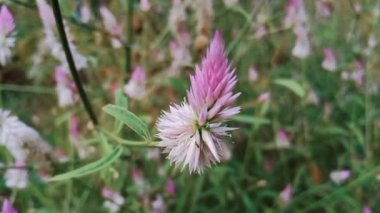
366 209
302 46
252 74
7 35
7 207
312 98
65 88
261 31
135 88
114 200
73 128
323 8
46 15
263 97
285 195
17 177
295 13
60 155
339 176
85 13
329 61
144 5
358 73
282 139
345 75
158 205
111 26
170 187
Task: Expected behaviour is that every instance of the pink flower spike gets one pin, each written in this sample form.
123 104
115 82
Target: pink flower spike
285 195
213 81
263 97
73 128
135 88
7 35
366 209
170 187
339 176
282 139
46 15
144 5
329 61
7 206
7 23
192 133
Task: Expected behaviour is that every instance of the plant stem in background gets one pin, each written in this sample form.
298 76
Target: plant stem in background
70 61
129 37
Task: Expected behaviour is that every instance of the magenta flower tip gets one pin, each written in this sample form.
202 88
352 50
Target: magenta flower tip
7 207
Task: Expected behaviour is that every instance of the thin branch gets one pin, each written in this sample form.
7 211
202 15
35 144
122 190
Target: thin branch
129 36
70 61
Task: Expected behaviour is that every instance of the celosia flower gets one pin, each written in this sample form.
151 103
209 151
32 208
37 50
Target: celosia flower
282 139
339 176
366 209
144 5
263 97
135 88
358 73
50 41
22 141
252 74
295 13
323 8
177 17
114 201
285 195
193 132
7 207
85 13
158 205
312 98
170 187
65 88
111 26
329 61
7 35
302 47
17 177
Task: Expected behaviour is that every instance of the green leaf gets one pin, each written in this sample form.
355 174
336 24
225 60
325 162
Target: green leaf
128 118
292 85
122 101
179 85
90 168
250 120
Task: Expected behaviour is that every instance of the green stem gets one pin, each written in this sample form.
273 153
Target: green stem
129 36
130 143
70 61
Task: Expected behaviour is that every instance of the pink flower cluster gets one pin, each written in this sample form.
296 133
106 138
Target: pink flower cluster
192 133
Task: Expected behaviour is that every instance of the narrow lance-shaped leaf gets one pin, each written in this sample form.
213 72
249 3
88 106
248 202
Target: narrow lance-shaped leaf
90 168
291 85
122 101
130 119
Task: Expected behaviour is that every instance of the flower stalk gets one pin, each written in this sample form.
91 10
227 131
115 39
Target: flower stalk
70 61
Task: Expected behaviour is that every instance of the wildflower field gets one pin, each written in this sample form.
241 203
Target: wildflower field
189 106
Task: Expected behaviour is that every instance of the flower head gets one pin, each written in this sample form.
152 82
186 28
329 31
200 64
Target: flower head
65 88
17 177
339 176
192 133
144 5
136 85
7 207
285 195
22 141
7 35
111 25
114 200
329 61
